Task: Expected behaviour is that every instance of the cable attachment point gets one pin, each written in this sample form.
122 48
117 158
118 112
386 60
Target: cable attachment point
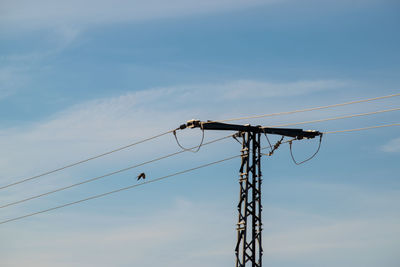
190 124
275 147
193 123
309 134
236 135
181 127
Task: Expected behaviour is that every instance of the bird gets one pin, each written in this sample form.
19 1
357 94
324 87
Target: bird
141 176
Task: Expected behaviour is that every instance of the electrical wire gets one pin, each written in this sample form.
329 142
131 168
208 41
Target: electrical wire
362 129
171 131
124 188
308 109
335 118
301 162
235 136
83 161
266 136
190 149
335 132
275 147
106 175
119 190
171 175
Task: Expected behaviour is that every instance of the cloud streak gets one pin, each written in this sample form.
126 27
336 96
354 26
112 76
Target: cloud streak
100 125
142 240
164 235
113 118
11 79
392 146
43 13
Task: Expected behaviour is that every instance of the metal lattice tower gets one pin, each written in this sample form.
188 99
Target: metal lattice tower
249 227
248 248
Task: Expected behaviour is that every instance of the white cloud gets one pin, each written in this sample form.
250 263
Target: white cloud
392 146
11 79
196 234
101 125
142 240
248 89
340 242
121 119
79 14
44 13
95 126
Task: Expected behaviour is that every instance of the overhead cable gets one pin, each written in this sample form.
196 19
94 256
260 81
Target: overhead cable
335 118
126 188
171 131
160 178
190 149
362 129
83 161
108 174
309 109
175 174
301 162
119 190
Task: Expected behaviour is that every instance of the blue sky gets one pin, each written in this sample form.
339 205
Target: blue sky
79 78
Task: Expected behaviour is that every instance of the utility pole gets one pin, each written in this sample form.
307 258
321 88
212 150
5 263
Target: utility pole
248 248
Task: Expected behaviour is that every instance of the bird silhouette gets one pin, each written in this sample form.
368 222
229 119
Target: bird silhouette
141 176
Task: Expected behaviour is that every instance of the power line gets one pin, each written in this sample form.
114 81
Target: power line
304 161
166 156
309 109
129 187
189 149
109 174
120 189
171 131
362 129
156 136
177 173
83 161
336 118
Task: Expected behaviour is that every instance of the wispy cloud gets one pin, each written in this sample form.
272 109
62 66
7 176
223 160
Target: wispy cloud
99 125
45 14
108 118
333 239
25 14
247 89
141 240
95 126
392 146
198 234
305 238
11 79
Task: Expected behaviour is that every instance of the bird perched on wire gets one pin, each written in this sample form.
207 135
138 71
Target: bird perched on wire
141 176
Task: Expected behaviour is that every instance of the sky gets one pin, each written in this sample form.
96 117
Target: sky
79 78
